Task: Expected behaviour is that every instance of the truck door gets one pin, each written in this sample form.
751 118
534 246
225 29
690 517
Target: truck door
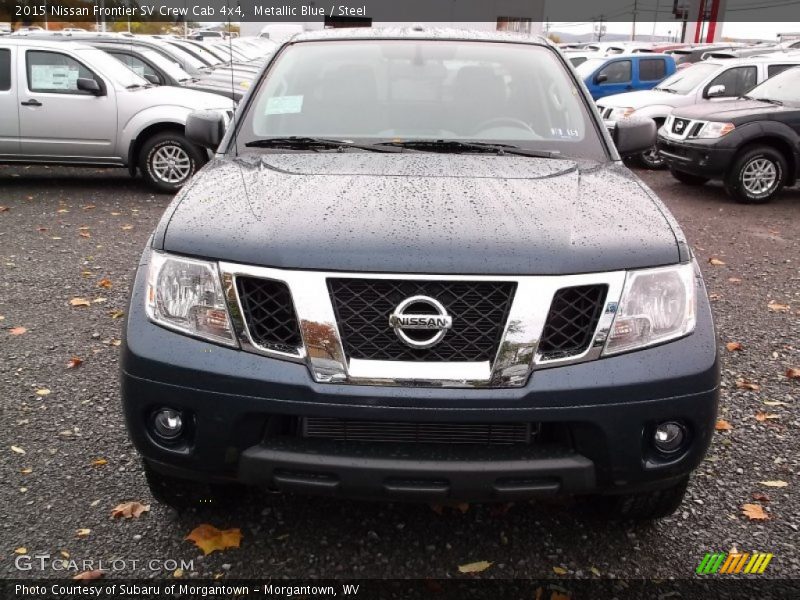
57 120
9 116
614 78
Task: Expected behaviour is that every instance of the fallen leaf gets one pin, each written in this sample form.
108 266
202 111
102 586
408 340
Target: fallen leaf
774 484
116 342
85 234
714 297
744 384
4 209
89 207
64 554
95 574
474 567
793 373
762 416
129 510
733 346
17 450
99 462
21 550
774 403
595 570
715 261
26 471
62 210
99 300
127 227
105 282
776 307
116 314
43 392
560 571
17 330
761 497
755 512
723 425
83 532
210 539
177 573
74 362
79 302
734 280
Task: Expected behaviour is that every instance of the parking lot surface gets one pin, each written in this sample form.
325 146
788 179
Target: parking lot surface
69 241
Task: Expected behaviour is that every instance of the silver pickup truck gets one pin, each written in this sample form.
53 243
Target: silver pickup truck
67 103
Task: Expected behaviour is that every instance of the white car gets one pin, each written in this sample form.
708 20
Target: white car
702 82
68 103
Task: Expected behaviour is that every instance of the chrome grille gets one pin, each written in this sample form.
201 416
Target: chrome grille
269 313
572 321
479 310
422 433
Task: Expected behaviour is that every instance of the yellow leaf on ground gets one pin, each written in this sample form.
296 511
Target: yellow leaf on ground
777 307
83 532
595 570
474 567
105 282
74 362
733 346
210 539
127 227
723 425
99 462
17 330
715 261
560 571
64 554
177 573
744 384
95 574
17 450
43 392
79 302
21 550
734 280
775 484
116 314
762 416
129 510
755 512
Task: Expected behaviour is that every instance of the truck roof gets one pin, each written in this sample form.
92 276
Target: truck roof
418 32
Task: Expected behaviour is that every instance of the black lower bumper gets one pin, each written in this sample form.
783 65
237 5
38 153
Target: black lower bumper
697 157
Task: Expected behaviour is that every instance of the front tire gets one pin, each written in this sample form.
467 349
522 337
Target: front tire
757 175
688 178
651 160
167 161
644 506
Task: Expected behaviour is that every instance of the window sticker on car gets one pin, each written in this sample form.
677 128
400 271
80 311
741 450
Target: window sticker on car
284 105
564 133
49 77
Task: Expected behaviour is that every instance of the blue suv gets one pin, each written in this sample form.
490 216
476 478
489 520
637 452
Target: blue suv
605 76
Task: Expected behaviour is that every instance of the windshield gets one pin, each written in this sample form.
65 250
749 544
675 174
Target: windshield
686 80
109 66
783 87
188 62
198 51
589 66
376 90
172 68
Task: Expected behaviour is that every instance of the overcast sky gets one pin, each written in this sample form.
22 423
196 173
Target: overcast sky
766 31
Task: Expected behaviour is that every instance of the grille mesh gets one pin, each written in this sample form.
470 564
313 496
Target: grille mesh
423 433
572 320
269 313
479 311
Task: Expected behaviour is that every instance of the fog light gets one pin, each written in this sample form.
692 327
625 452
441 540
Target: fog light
669 437
167 423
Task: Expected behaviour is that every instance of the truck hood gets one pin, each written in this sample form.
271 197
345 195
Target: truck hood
644 98
420 213
168 95
729 110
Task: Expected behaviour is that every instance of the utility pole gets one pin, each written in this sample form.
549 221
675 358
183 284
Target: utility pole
600 28
633 24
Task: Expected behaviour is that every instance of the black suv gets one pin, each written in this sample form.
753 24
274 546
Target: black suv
417 269
752 143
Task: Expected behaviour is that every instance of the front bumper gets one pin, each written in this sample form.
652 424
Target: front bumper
703 158
601 415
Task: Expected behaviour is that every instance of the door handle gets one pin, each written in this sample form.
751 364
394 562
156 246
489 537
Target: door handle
33 102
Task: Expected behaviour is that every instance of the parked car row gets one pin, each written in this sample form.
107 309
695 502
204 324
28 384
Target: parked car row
89 99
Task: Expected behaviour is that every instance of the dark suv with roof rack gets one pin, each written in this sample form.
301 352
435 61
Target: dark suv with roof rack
417 269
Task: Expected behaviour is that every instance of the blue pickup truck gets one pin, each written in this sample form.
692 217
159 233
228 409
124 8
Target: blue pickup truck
609 75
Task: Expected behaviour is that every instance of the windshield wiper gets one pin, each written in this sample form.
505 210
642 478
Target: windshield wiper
312 143
456 146
767 100
668 90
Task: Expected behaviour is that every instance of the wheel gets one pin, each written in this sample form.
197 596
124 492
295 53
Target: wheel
757 175
167 160
688 178
183 493
643 506
651 159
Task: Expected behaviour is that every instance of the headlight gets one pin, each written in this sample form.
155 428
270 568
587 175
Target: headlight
715 129
186 295
621 112
657 305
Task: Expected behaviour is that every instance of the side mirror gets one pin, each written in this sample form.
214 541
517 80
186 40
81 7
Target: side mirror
602 78
89 85
715 91
152 78
634 135
205 128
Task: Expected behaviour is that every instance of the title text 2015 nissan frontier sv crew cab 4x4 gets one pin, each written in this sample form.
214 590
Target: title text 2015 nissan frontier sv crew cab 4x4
417 269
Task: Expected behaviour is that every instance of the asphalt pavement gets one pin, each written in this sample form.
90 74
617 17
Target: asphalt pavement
69 234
